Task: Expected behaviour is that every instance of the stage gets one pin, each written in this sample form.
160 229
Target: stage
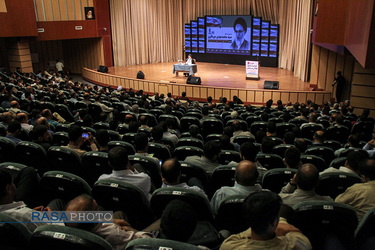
218 80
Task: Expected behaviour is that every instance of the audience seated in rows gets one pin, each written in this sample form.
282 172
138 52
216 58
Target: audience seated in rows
76 140
209 161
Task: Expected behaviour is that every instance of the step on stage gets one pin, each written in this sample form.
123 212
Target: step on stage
218 80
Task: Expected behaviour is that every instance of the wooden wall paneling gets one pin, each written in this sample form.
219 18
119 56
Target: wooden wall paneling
56 11
267 96
242 95
323 61
233 92
151 88
211 92
4 54
293 97
226 93
175 90
361 79
203 93
284 97
314 64
189 91
348 74
250 96
276 95
361 102
218 93
340 63
48 10
91 3
319 99
259 98
311 96
302 97
163 89
3 6
40 10
196 92
359 69
331 70
363 91
63 10
71 10
78 10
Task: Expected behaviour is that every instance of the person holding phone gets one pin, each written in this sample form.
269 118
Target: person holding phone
77 138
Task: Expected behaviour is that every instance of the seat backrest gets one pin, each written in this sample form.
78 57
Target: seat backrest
223 176
155 243
280 149
59 184
242 139
159 151
229 216
339 133
190 170
282 128
366 231
190 142
59 237
338 162
270 161
323 152
118 195
13 234
129 147
62 127
95 164
345 152
212 126
226 156
64 111
31 154
334 183
318 219
129 137
150 165
258 126
308 130
64 159
182 152
317 161
162 196
186 121
275 179
7 149
332 144
60 138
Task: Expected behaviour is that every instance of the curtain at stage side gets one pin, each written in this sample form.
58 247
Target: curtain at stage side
295 38
146 31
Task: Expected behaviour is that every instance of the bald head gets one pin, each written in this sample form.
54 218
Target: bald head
246 173
14 104
319 136
83 202
307 177
171 171
7 117
42 121
236 125
22 117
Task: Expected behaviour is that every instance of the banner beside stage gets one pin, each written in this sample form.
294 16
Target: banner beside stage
252 70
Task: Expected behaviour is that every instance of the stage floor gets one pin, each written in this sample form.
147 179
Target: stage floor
216 75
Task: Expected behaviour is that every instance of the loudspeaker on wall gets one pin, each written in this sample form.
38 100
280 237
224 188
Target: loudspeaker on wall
103 69
193 80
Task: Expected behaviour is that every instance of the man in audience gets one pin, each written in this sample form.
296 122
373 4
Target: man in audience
76 140
102 139
238 131
248 151
104 107
304 114
370 147
171 175
351 164
246 176
48 115
41 136
6 118
144 120
167 133
292 158
289 138
302 187
44 121
18 209
313 117
266 229
14 108
209 160
118 233
122 170
361 196
267 145
353 141
24 120
318 138
13 131
141 145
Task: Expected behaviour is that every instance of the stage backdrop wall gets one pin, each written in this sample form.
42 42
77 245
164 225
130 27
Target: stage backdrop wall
150 31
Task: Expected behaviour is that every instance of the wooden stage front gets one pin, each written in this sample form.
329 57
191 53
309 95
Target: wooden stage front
218 80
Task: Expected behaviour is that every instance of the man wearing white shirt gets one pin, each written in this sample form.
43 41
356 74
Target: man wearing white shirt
59 66
351 164
123 171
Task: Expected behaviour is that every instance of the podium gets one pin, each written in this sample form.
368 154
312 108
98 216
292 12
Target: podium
252 70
